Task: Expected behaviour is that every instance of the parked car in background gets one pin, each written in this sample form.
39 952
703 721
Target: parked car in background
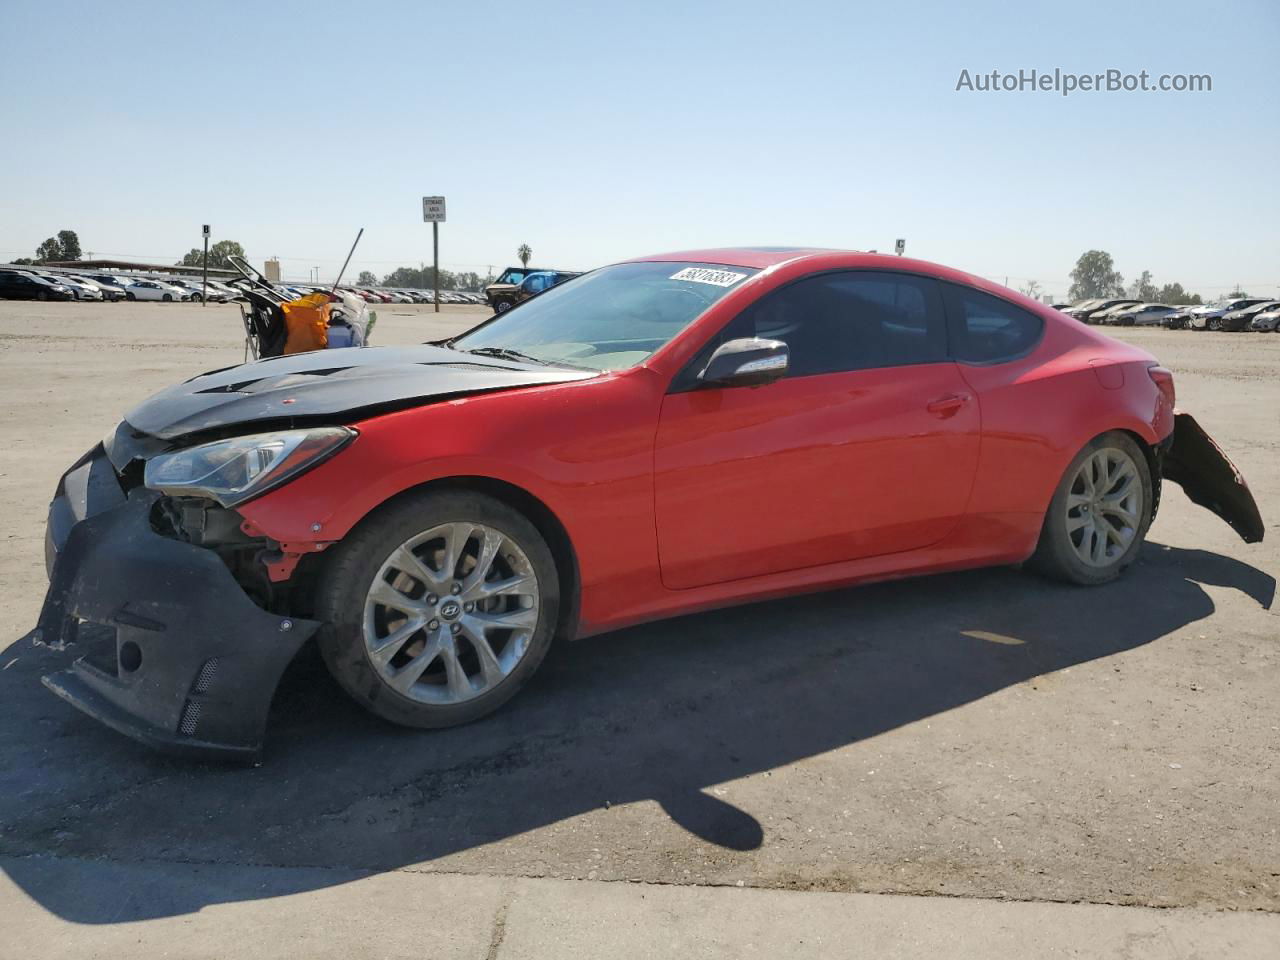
1081 306
1266 321
1209 317
110 291
24 285
143 289
533 284
81 289
1242 318
1179 319
1109 315
1089 314
195 289
1141 314
501 295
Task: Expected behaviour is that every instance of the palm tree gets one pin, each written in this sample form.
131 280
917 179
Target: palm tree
524 253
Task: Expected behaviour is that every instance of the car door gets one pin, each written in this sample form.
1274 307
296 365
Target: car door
867 446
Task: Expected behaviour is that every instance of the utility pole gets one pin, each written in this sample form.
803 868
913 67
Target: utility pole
204 282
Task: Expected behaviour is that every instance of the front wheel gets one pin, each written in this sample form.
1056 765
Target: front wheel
167 298
438 609
502 306
1099 515
131 297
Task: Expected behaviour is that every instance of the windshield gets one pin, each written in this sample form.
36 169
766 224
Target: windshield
511 276
611 318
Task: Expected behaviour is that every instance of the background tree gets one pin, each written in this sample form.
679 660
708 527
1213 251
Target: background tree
220 255
1095 276
366 279
1032 289
1237 293
419 278
70 244
470 282
525 253
65 246
1173 293
1143 289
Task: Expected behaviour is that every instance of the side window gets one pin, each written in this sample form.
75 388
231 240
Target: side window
851 320
986 329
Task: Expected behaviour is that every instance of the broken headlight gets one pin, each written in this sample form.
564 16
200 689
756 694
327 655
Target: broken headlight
232 471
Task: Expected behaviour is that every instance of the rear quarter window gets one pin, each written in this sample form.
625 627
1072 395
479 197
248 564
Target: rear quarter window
986 329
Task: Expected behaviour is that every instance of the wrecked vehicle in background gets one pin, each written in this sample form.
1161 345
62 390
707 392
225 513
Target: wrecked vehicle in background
656 437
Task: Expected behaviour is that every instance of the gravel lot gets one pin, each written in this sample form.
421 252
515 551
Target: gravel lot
984 734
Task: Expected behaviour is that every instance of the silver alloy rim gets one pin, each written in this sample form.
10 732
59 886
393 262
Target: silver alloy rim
1104 507
451 613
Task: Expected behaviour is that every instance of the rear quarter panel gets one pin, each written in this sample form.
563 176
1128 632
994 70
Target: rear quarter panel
1039 411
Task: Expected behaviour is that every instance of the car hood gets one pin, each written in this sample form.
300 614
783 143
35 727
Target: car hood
331 385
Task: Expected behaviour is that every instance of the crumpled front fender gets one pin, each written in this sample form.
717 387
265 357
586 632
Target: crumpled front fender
1197 464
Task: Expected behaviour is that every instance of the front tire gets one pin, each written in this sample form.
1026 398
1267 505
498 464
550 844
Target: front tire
167 298
1099 515
438 608
502 306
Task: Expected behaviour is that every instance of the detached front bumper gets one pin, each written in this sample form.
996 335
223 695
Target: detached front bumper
180 657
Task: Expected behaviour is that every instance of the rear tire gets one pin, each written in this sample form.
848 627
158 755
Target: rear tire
454 683
1099 515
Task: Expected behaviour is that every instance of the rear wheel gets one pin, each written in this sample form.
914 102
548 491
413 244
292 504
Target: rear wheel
1099 515
438 609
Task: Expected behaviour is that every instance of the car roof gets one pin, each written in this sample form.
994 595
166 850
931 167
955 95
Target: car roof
765 257
757 257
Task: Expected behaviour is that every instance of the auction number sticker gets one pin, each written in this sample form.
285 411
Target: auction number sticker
717 278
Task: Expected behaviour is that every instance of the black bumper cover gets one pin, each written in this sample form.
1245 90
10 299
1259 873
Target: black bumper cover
194 663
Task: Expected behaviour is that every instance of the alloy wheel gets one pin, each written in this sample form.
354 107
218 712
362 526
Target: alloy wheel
451 613
1104 507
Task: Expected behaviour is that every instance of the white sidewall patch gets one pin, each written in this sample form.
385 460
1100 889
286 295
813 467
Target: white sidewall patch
717 278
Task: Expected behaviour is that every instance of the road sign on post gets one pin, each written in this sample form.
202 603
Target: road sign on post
204 282
900 247
433 213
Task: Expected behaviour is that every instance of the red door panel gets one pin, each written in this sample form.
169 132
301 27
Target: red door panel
811 470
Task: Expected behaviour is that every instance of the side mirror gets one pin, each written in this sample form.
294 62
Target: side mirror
748 362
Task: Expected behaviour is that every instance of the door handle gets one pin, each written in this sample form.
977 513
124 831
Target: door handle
947 406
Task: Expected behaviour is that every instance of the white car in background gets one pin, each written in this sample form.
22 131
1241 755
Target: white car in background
196 289
110 290
155 290
81 288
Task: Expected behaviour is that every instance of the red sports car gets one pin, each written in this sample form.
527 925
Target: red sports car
664 435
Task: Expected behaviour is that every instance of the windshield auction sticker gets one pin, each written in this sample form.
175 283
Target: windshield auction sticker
717 278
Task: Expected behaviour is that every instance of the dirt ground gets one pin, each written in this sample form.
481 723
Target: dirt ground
984 734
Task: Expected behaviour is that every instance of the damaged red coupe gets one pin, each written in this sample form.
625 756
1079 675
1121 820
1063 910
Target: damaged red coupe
665 435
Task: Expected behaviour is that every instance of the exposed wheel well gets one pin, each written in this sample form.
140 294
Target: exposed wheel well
1153 455
538 513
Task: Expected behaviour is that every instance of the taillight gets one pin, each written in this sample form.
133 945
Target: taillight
1163 379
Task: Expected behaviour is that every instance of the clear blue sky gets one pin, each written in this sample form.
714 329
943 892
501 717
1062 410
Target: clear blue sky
597 132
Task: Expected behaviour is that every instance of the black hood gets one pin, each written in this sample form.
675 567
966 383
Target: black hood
338 385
